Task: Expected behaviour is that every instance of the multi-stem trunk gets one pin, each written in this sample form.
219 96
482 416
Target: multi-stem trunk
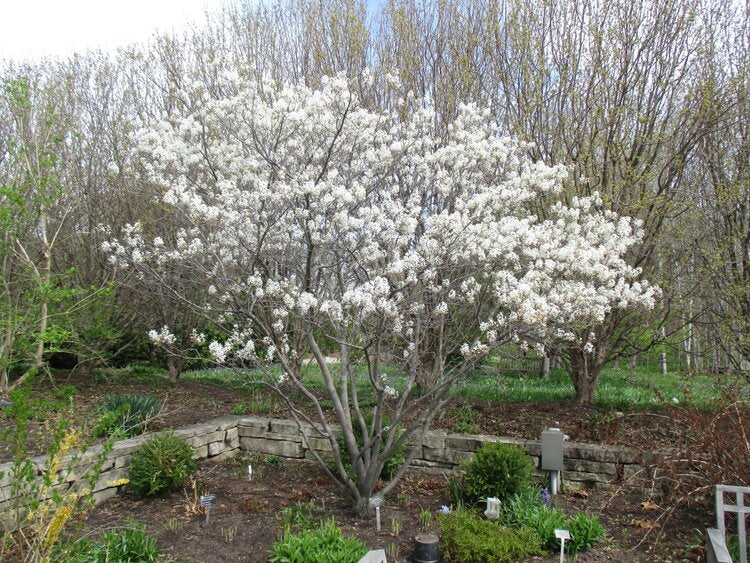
584 371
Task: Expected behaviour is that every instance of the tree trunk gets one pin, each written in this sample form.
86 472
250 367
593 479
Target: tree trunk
584 371
175 365
545 368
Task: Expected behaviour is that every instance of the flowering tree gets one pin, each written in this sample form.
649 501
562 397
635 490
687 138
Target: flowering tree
307 213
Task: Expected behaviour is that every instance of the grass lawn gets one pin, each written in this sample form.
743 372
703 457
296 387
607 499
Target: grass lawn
620 389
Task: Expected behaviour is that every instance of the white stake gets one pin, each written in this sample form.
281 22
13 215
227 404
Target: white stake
249 472
562 535
377 517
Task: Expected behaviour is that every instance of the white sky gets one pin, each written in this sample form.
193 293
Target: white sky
30 29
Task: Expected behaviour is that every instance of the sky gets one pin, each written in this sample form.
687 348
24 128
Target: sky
30 29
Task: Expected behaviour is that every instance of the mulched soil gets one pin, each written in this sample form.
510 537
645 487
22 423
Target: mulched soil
245 521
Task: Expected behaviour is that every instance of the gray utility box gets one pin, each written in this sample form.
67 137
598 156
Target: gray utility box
552 449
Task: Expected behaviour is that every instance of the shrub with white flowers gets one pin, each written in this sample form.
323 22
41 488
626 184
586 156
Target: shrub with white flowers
308 215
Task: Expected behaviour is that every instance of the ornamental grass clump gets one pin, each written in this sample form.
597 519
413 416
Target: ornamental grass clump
498 470
162 464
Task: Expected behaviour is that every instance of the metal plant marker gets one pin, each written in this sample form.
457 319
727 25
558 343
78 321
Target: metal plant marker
493 508
207 501
562 535
377 502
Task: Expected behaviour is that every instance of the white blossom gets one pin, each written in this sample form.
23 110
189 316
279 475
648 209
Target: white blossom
163 337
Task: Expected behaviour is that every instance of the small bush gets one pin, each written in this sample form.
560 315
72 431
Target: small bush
128 414
498 470
325 543
162 464
471 539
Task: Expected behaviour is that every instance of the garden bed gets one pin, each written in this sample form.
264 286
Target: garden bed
246 519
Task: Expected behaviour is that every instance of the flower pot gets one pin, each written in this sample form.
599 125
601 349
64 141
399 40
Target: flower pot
426 548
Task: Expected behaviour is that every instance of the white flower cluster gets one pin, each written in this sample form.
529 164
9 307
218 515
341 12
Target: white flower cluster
308 205
163 337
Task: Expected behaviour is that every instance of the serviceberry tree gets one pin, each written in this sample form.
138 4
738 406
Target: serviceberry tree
305 212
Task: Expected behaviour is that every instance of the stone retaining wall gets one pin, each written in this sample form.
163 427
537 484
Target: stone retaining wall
586 465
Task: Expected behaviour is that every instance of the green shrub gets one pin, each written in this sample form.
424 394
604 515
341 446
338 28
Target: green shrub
128 414
585 531
126 545
471 539
498 470
162 464
325 543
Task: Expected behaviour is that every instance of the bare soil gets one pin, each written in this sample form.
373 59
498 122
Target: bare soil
245 520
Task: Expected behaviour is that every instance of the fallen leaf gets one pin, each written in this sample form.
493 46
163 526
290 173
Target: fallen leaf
645 524
580 494
648 505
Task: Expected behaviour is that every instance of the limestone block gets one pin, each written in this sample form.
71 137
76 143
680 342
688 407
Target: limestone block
5 474
631 470
104 494
254 422
204 439
594 478
583 466
320 444
287 427
446 456
107 479
232 438
434 439
123 461
216 448
273 447
125 447
594 452
426 463
253 431
226 422
533 448
5 493
325 456
225 455
200 452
